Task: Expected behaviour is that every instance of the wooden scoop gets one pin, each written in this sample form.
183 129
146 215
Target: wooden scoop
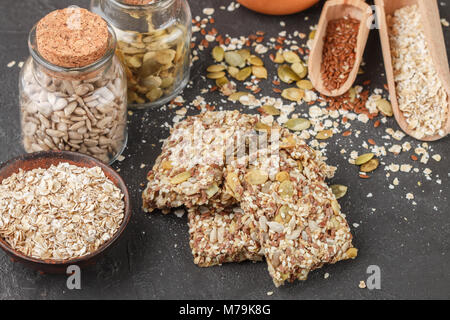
336 9
435 40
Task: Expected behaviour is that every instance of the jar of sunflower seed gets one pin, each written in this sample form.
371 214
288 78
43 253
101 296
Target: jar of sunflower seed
73 93
154 45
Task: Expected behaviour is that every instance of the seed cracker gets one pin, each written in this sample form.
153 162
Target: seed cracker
220 236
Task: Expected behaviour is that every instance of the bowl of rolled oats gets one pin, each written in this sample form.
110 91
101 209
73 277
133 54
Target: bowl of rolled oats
60 208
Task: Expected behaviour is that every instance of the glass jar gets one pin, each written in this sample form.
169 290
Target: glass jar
74 109
154 46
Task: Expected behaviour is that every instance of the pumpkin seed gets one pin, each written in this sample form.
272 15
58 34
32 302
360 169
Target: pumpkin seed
286 189
291 57
364 158
233 71
297 124
234 59
212 190
384 107
256 177
271 110
339 190
221 82
300 69
284 211
336 207
181 177
232 183
259 126
244 53
293 94
288 142
259 72
286 74
370 165
216 68
352 94
215 75
282 176
166 165
154 94
305 85
218 53
352 253
237 95
255 61
300 166
324 134
134 62
243 74
279 57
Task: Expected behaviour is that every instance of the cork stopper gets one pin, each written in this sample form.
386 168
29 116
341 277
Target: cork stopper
72 37
138 2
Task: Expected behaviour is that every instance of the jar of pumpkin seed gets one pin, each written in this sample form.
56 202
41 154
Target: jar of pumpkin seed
154 45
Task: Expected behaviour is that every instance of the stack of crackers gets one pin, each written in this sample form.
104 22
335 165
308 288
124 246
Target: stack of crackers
253 191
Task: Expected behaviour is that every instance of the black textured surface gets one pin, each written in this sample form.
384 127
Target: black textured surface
411 244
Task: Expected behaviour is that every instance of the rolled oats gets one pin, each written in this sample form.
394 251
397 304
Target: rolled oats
420 92
59 213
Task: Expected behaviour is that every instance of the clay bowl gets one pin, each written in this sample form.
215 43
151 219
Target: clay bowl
45 160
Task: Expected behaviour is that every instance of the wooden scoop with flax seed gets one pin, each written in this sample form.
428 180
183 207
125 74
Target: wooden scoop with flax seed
333 66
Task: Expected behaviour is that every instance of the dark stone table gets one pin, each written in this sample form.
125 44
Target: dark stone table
410 243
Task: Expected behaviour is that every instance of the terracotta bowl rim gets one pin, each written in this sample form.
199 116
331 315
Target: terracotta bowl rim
76 158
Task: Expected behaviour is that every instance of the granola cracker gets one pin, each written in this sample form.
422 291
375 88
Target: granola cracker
189 170
220 236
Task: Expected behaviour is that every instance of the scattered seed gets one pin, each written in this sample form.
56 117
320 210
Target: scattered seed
237 95
270 110
297 124
370 165
364 158
255 61
293 94
384 107
291 57
215 75
339 190
234 59
243 74
216 68
259 72
218 53
324 134
305 85
287 75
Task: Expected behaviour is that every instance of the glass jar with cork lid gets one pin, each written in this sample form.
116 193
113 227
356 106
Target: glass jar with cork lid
154 45
73 93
